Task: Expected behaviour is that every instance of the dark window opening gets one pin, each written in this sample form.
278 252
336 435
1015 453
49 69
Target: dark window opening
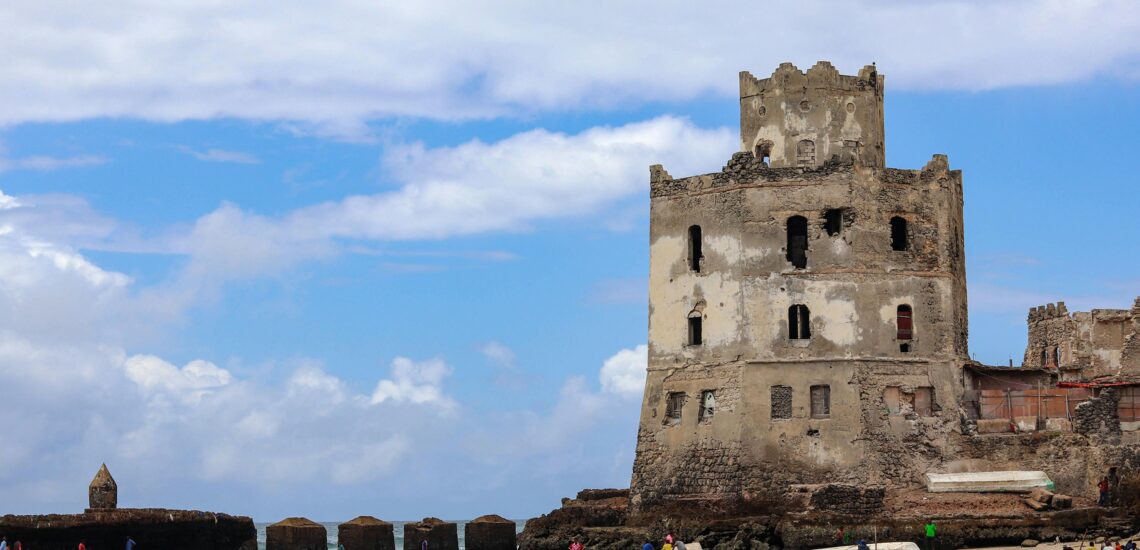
695 248
1044 357
799 322
708 406
904 319
797 241
820 401
1056 357
781 401
695 330
812 432
764 153
674 402
898 233
833 221
904 348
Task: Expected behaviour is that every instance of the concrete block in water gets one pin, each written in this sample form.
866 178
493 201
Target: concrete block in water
490 533
439 534
366 533
296 534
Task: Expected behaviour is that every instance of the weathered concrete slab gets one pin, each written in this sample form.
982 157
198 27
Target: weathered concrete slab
296 534
439 534
490 533
1012 481
366 533
1060 425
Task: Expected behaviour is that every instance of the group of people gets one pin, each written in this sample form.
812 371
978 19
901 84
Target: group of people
1115 545
671 543
82 544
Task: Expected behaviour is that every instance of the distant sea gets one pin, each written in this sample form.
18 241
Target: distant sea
397 527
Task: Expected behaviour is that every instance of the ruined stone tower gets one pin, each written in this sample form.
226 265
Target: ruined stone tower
103 493
807 305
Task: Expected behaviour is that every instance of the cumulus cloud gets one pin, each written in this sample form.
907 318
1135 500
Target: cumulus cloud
476 187
414 382
624 372
330 66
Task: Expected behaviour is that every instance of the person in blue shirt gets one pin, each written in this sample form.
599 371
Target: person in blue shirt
647 546
130 543
4 543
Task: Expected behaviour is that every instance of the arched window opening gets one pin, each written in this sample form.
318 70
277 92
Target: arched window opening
1044 357
695 337
805 152
695 254
799 322
1056 356
898 233
797 241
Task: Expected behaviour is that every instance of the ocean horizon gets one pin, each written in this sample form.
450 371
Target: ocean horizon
397 528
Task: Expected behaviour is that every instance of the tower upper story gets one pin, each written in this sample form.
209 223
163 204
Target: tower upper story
814 250
793 118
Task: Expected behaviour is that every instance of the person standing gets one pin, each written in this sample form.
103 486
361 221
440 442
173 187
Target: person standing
3 543
647 546
1103 488
931 532
130 543
576 544
82 546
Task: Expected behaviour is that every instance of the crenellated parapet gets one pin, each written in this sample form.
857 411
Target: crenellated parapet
797 118
1048 311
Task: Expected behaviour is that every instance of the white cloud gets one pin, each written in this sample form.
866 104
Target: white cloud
414 382
193 381
331 65
221 155
44 163
498 354
472 188
624 372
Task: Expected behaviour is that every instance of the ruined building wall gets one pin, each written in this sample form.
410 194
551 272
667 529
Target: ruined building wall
891 401
805 118
1101 342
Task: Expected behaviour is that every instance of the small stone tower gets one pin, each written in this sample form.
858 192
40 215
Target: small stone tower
103 493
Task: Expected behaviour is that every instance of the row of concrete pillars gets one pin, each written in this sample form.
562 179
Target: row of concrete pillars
368 533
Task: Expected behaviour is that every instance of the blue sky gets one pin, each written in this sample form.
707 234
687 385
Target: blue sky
372 259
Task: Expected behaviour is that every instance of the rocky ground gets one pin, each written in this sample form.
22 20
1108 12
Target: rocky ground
601 520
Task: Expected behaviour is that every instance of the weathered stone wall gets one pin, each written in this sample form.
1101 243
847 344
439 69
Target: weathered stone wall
807 118
853 285
848 499
1101 342
150 528
1098 416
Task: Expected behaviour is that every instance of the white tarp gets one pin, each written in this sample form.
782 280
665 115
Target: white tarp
1014 481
